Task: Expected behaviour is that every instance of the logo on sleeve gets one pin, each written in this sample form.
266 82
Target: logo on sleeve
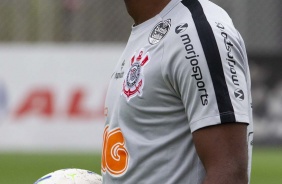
159 31
239 94
230 58
134 81
181 28
193 58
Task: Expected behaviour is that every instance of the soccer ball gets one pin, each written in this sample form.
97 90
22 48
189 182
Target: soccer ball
70 176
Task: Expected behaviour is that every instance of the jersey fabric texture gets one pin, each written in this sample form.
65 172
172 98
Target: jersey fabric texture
182 70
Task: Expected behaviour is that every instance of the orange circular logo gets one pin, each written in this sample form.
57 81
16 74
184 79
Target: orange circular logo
115 155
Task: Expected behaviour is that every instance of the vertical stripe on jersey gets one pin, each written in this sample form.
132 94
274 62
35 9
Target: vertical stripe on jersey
213 58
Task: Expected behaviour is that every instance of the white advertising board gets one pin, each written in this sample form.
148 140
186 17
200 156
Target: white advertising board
52 96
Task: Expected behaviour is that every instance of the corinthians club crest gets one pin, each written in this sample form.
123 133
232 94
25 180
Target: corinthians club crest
134 80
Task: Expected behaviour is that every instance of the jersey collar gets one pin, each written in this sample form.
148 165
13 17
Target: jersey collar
157 18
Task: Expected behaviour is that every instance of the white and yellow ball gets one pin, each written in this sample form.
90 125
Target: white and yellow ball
70 176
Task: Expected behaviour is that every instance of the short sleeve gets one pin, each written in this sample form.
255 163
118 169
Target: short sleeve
208 71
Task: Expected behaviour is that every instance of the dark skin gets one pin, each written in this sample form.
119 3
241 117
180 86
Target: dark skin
221 148
224 153
142 10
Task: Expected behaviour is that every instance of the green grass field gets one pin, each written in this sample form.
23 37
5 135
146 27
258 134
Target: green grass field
26 168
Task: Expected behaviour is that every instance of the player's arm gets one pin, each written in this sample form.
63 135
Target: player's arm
223 152
207 87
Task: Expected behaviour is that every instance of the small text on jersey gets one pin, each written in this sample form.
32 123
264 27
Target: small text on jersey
230 60
192 56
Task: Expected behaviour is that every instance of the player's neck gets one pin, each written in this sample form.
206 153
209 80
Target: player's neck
142 10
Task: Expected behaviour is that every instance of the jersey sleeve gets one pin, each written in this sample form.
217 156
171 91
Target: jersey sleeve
208 72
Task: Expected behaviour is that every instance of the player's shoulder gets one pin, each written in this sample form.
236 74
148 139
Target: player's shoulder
213 10
207 14
182 18
188 27
181 26
218 18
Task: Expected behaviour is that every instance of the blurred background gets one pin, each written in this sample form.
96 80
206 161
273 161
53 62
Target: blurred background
56 58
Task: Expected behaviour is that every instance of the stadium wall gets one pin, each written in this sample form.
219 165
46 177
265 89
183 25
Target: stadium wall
52 96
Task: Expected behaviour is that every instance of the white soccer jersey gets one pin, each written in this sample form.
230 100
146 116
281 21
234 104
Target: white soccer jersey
182 70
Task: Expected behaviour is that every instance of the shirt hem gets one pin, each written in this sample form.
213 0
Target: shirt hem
215 120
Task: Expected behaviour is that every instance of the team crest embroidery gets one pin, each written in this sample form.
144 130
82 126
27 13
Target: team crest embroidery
134 81
159 31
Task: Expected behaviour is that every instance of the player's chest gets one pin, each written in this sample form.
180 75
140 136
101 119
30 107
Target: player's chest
137 74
